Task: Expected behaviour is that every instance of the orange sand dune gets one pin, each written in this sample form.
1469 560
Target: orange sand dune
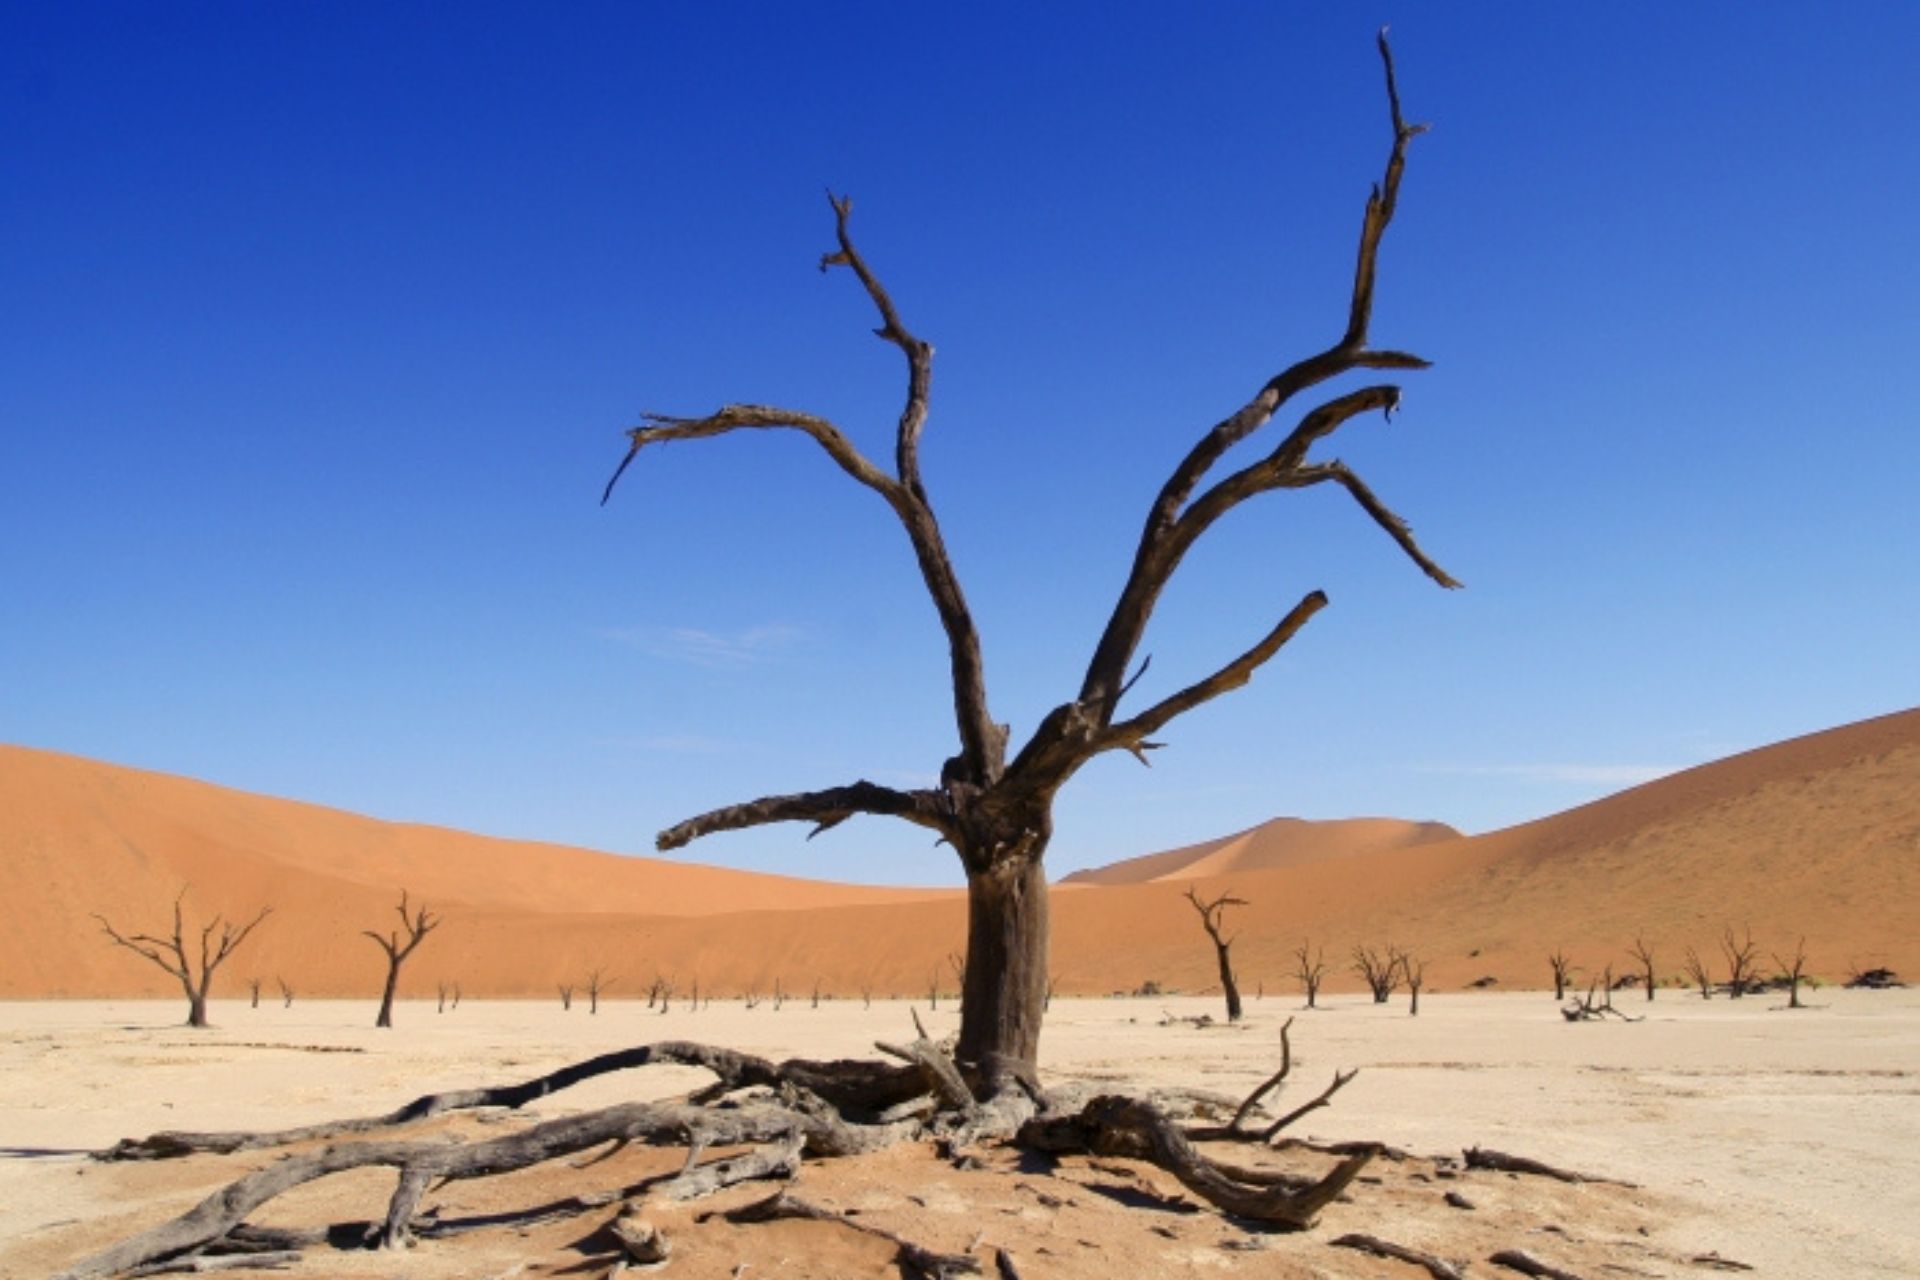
78 837
1282 842
1817 836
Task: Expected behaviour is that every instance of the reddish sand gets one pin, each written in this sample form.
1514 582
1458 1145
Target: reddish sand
1283 842
1819 836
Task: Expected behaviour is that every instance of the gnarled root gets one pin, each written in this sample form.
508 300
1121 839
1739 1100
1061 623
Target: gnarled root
1127 1127
817 1108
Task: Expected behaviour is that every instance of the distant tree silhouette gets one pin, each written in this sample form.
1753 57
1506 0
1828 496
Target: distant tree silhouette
1741 963
1794 971
1310 969
195 975
1644 955
1212 917
1697 971
398 944
1380 971
1562 970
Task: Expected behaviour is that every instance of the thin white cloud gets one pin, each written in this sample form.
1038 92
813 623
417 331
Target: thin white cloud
1585 775
716 650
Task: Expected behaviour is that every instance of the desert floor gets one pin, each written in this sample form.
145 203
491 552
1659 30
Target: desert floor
1789 1141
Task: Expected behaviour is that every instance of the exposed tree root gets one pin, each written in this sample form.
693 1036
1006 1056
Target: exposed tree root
859 1089
816 1108
1438 1268
1119 1126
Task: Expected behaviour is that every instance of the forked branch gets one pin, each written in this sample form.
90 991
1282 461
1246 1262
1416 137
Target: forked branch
982 742
1152 564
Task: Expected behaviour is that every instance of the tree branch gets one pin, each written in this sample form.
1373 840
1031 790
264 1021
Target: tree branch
982 742
1107 668
826 808
1232 676
1397 529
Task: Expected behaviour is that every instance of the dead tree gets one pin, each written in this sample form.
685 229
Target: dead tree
1311 970
1794 973
596 983
414 928
1741 966
866 995
566 996
444 992
1212 916
253 993
171 953
816 993
995 808
1562 970
456 995
1415 972
1643 954
1697 971
1380 971
286 993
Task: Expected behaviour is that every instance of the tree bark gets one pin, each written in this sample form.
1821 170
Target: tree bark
386 997
1226 981
196 1008
1005 990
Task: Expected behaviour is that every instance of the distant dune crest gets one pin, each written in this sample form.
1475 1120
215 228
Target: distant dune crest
1818 836
1282 842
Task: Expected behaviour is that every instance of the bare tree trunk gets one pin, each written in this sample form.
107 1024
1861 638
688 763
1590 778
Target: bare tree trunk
196 1008
385 1018
1005 994
1226 981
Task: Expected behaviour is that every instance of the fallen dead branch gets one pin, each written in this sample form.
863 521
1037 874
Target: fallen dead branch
1501 1162
1435 1267
1527 1264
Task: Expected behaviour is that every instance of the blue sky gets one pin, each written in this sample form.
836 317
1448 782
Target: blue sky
322 325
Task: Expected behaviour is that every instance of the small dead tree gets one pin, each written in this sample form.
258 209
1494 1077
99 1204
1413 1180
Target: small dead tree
171 953
1212 916
398 944
779 995
444 991
253 993
693 1000
1742 966
1562 972
1415 971
566 995
866 995
1310 968
1643 955
1794 972
1700 975
286 993
456 995
816 993
597 982
1379 970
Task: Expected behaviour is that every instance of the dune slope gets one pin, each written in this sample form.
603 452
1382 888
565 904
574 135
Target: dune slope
1816 837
